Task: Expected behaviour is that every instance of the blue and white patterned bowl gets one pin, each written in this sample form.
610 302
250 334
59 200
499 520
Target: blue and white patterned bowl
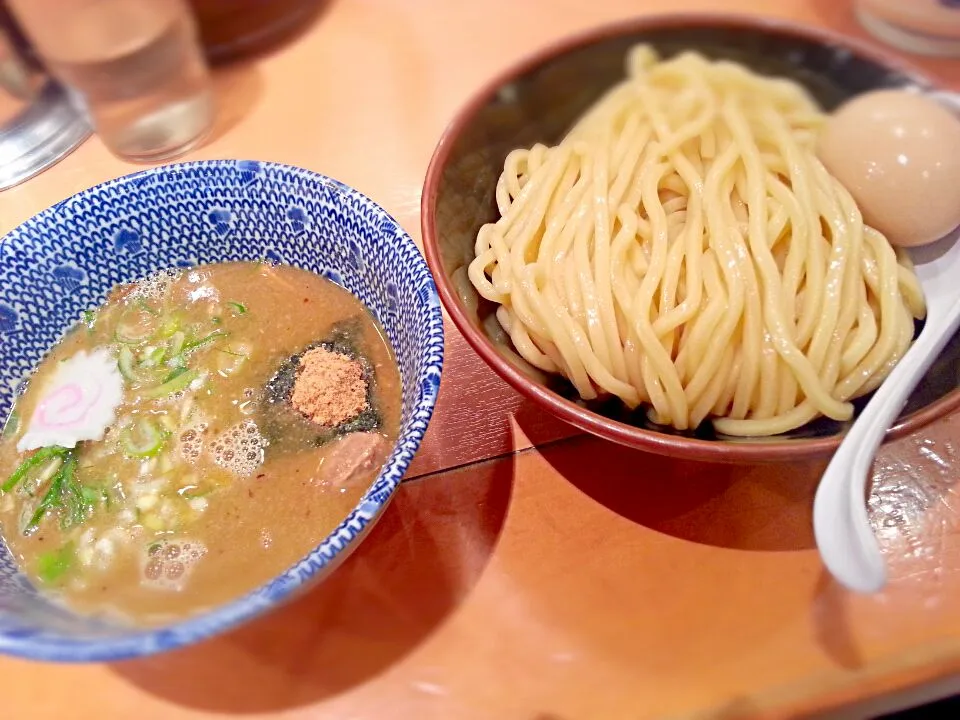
65 259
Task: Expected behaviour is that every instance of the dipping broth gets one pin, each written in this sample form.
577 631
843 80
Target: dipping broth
194 437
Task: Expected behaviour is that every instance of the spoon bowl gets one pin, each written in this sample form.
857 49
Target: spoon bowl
841 525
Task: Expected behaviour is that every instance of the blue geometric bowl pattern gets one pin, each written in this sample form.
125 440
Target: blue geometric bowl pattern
64 261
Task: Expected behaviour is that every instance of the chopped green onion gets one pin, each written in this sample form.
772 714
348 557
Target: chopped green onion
11 426
177 361
181 348
146 442
65 495
177 341
177 381
89 318
71 494
195 344
31 463
169 326
147 307
99 494
50 500
238 307
77 507
174 374
127 364
139 374
229 362
90 495
194 491
152 356
168 423
51 566
136 325
154 522
35 481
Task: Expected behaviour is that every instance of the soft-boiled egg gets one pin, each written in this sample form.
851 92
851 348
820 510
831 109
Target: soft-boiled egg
898 154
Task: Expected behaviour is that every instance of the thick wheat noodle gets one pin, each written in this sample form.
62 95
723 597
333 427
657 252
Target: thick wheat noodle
683 248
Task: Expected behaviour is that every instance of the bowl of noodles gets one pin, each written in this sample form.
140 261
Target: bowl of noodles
632 228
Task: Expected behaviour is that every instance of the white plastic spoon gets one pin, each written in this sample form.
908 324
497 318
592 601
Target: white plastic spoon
840 522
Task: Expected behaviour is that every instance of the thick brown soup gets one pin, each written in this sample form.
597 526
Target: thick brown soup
195 436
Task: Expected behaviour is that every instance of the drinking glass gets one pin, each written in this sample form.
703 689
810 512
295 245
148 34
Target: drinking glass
135 65
926 27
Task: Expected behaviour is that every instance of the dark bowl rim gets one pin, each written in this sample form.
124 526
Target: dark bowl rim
745 451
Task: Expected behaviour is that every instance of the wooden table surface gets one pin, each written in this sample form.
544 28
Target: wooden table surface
524 572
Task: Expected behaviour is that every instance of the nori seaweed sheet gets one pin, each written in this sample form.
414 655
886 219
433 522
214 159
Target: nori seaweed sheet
277 417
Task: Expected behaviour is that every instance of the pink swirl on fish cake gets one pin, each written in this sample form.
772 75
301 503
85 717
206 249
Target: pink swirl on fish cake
67 405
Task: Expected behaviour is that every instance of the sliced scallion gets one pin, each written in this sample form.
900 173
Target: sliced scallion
142 440
169 326
196 344
191 492
32 484
228 362
11 426
91 495
127 364
64 495
177 381
135 326
53 565
147 307
31 463
152 356
175 346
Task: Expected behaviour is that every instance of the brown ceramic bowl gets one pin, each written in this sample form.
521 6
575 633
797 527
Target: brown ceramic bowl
536 102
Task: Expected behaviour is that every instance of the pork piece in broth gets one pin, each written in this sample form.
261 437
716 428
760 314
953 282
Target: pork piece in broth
193 437
352 457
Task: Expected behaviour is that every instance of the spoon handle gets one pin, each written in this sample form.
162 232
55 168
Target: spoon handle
840 523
